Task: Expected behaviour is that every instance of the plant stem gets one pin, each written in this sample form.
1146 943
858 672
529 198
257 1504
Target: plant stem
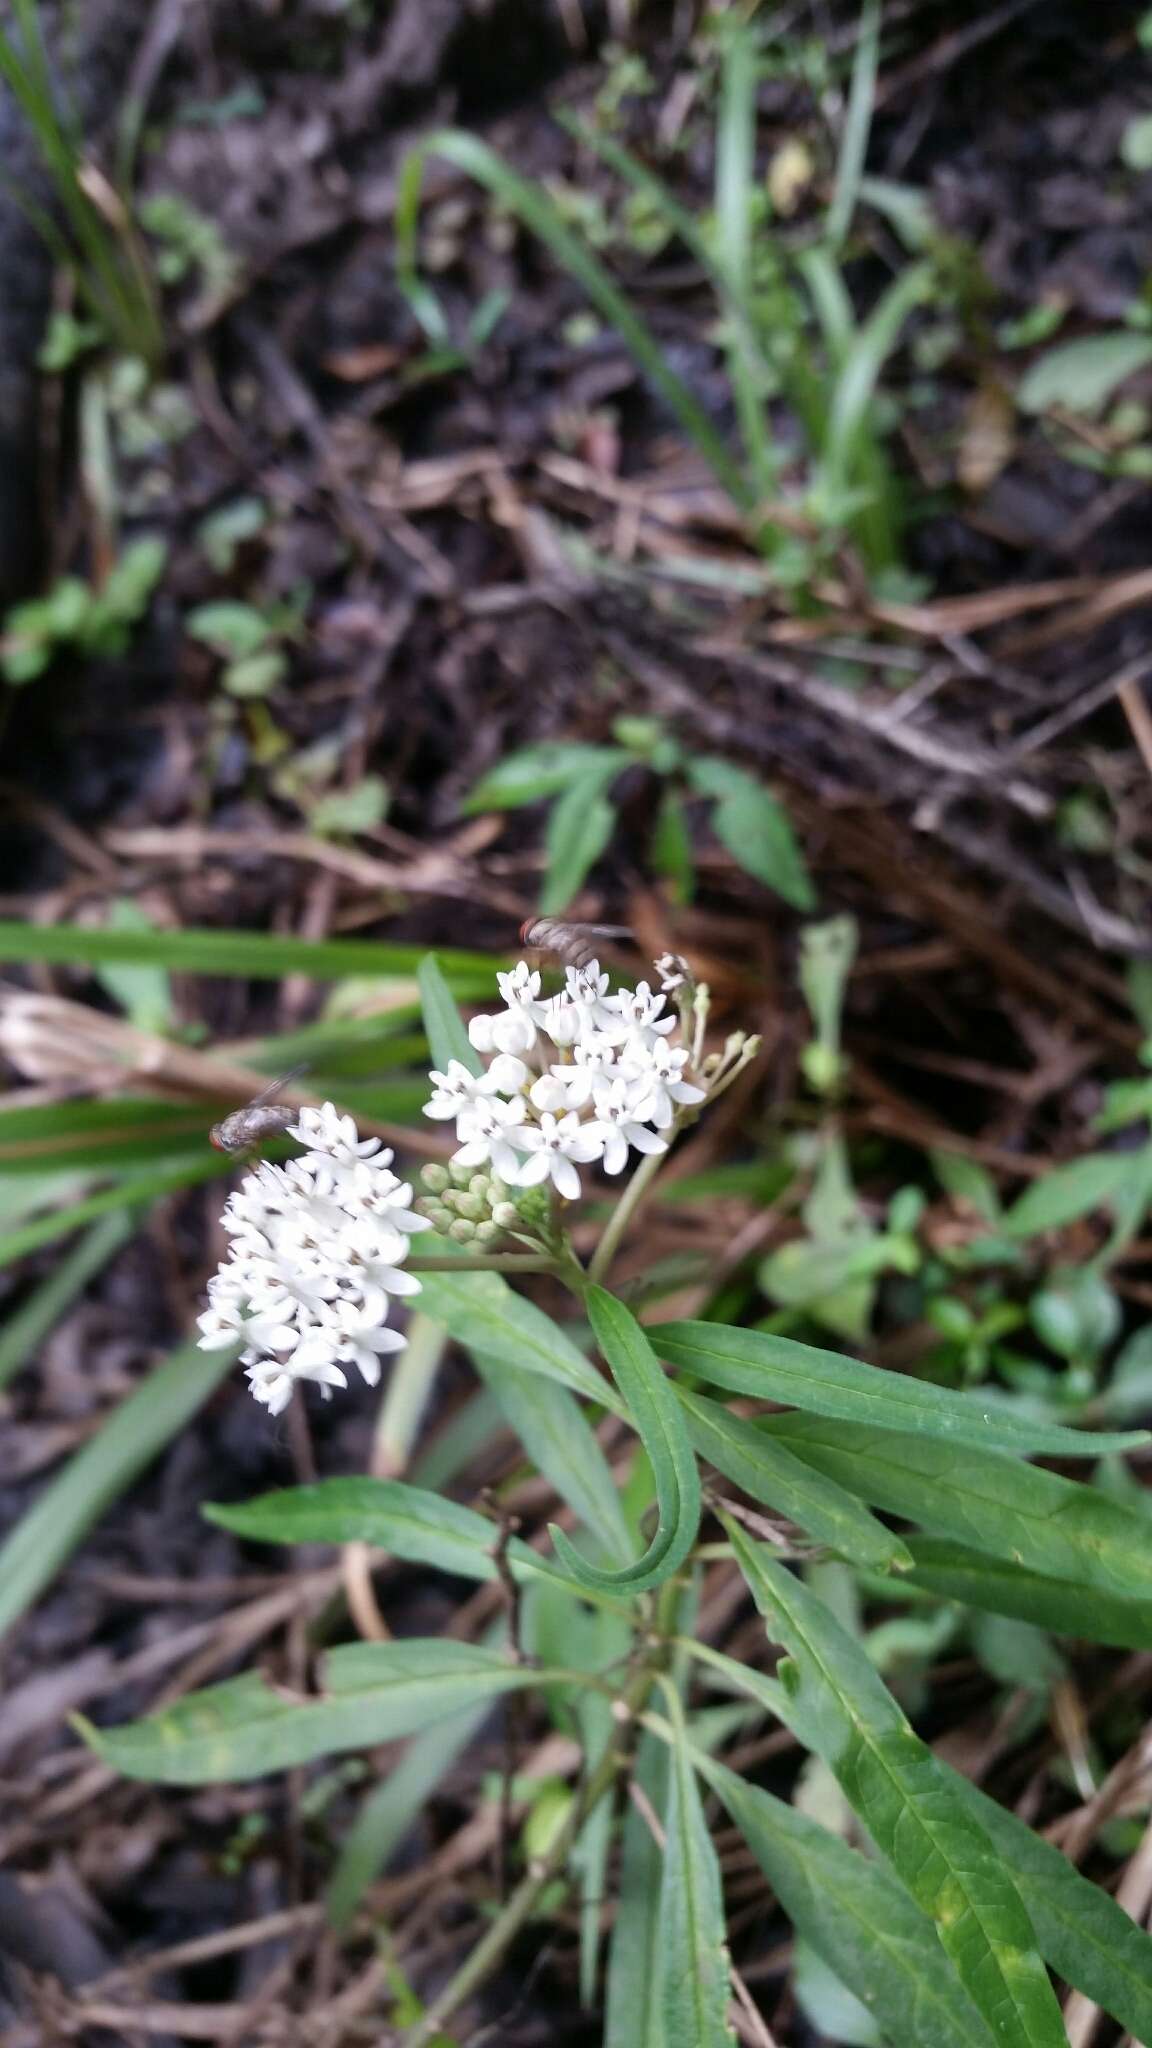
623 1213
485 1262
486 1956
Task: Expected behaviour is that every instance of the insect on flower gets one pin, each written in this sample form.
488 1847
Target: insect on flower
248 1128
574 944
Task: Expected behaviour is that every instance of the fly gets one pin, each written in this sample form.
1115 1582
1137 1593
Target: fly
574 944
248 1128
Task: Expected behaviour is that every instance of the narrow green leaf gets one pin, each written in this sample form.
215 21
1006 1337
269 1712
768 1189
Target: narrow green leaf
1083 1933
481 1311
447 1038
534 772
633 2013
904 1799
373 1692
671 847
756 830
28 1325
775 1368
1000 1587
560 1442
857 124
694 1978
404 1520
254 955
1086 1936
392 1808
857 1918
828 1512
656 1415
579 828
130 1192
1057 1527
97 1475
1066 1192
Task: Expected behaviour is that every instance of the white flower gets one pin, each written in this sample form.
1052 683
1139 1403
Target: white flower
618 1125
563 1022
491 1130
331 1135
660 1072
512 1031
590 1064
638 1011
507 1074
317 1251
553 1144
586 989
456 1087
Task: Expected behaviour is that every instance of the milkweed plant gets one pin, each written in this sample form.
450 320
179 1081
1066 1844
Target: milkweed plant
733 1451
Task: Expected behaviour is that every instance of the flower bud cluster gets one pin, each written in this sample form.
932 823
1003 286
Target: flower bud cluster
469 1207
572 1079
318 1249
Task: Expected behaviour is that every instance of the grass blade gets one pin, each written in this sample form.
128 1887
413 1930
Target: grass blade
28 1326
694 1982
633 2015
254 955
857 124
448 1039
72 1502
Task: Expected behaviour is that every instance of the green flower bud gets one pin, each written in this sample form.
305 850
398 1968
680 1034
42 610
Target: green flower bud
480 1185
435 1179
470 1207
505 1215
461 1230
461 1175
498 1190
488 1233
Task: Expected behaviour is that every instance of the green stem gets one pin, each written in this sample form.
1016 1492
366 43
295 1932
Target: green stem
521 1907
623 1213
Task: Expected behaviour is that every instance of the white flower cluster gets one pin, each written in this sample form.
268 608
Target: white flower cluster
573 1078
317 1248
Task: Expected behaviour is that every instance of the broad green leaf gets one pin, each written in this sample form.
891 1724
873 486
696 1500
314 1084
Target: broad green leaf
694 1981
1000 1587
372 1692
253 955
1057 1527
655 1414
903 1797
447 1038
535 772
481 1311
580 826
1067 1192
828 1512
394 1806
857 1917
75 1499
1081 376
775 1368
28 1325
633 2014
560 1442
387 1513
756 830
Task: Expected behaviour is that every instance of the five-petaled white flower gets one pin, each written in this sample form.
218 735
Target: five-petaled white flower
552 1145
491 1132
619 1123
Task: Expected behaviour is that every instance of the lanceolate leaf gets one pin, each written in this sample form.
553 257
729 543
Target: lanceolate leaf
481 1311
756 830
857 1917
1083 1933
780 1481
909 1807
1067 1192
656 1414
447 1037
826 1383
634 2015
546 770
1000 1587
694 1954
1057 1527
579 828
373 1692
402 1519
